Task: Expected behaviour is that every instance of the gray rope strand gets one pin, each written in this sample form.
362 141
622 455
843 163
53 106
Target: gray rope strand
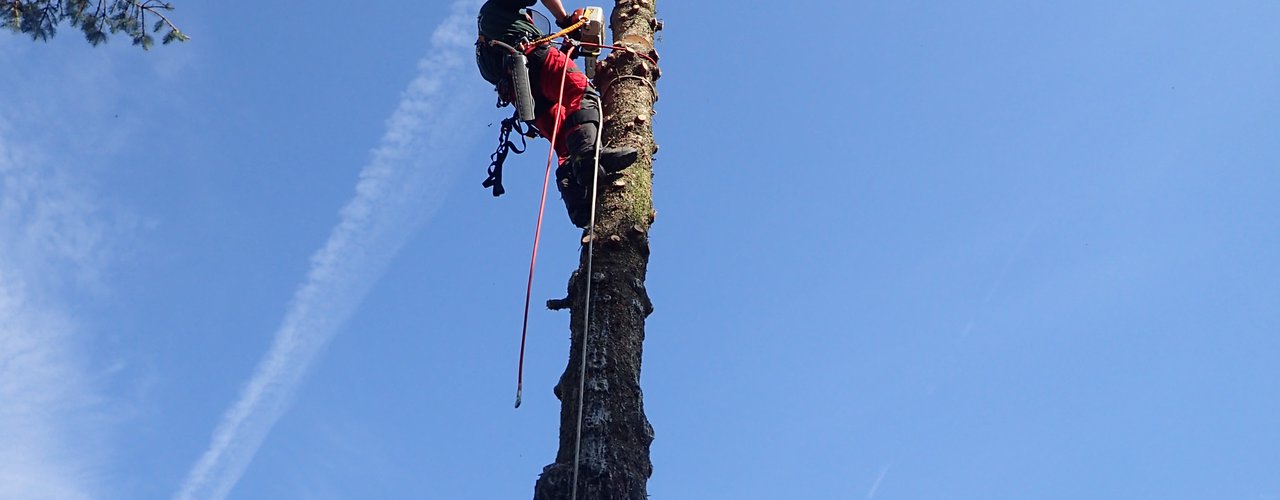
586 316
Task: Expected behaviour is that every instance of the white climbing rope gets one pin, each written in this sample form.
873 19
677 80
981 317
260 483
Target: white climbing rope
586 313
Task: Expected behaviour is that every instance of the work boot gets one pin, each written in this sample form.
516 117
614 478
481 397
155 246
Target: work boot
574 196
582 147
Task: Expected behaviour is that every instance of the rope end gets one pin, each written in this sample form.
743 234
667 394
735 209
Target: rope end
518 390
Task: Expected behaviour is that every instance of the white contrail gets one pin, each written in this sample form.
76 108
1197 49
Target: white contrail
397 191
871 493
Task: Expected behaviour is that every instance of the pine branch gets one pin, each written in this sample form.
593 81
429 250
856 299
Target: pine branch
40 18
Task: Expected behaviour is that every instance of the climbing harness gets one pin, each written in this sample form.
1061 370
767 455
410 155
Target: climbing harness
505 146
517 89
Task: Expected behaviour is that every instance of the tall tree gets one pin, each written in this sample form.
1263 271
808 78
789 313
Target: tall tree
612 442
95 18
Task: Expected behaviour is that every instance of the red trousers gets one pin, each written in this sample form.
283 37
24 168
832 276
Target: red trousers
550 75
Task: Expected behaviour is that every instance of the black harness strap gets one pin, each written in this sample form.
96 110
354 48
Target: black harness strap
505 146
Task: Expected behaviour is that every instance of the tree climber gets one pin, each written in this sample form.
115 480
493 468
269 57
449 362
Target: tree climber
508 22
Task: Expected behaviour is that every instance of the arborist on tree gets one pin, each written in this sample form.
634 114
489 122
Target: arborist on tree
506 32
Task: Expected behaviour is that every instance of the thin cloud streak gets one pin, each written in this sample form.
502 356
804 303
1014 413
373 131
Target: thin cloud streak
51 418
398 190
43 400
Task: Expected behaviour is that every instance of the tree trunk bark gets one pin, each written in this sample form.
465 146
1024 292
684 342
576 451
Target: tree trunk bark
613 457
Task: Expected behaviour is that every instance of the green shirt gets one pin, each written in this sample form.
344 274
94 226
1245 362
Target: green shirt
505 20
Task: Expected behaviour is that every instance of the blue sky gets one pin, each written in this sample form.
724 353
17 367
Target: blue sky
904 250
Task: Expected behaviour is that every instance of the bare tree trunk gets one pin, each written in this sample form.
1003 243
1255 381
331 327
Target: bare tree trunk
615 434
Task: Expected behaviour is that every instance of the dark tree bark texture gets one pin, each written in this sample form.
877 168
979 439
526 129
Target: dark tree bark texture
614 454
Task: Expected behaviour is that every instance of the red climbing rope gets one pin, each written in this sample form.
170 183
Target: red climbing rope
537 233
615 47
